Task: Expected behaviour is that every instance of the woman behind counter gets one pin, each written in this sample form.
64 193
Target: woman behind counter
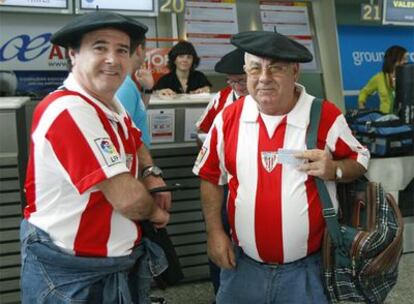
384 81
183 78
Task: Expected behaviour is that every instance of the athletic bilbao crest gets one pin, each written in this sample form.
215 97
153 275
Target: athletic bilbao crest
269 160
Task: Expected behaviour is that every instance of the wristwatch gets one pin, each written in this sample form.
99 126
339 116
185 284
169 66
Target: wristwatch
338 173
151 170
146 91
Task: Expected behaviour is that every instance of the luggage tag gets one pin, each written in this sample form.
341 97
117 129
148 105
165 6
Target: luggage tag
287 157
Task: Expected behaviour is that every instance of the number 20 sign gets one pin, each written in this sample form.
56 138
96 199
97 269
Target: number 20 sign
172 6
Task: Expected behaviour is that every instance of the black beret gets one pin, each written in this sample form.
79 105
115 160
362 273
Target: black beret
78 26
231 63
271 45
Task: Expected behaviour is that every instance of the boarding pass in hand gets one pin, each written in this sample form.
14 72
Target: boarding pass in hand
287 157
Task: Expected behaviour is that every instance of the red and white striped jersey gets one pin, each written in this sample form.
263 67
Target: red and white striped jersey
222 99
76 143
274 214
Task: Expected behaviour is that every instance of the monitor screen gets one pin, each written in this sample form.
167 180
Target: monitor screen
404 91
127 7
398 12
55 6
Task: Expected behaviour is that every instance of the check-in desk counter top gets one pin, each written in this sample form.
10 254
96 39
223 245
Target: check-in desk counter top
188 99
186 110
174 150
13 158
7 103
395 174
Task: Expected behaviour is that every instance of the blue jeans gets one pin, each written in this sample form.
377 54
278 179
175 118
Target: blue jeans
50 275
251 282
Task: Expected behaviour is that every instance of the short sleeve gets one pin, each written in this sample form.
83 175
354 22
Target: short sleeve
206 119
339 138
86 152
202 80
209 162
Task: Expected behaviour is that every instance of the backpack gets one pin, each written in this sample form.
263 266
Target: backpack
362 247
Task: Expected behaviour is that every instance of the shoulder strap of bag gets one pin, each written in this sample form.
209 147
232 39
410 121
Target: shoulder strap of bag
329 213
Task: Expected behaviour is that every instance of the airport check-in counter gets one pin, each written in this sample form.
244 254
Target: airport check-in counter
174 149
13 160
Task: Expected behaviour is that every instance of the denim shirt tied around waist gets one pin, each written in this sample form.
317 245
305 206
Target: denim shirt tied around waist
125 279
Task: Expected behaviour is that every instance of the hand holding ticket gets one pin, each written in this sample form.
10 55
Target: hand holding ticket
318 163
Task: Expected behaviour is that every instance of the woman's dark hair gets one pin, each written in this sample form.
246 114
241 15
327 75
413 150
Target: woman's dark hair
182 48
391 57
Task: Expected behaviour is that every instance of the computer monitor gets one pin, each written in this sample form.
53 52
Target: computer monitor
397 12
404 91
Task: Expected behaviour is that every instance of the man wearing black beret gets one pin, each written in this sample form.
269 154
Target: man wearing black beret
232 65
258 147
81 234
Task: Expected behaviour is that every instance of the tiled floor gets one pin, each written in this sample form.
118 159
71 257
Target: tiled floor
202 292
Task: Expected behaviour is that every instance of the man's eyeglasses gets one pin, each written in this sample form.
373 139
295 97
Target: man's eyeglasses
273 69
235 82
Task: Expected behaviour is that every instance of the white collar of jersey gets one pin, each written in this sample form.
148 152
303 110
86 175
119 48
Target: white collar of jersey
72 84
295 117
299 116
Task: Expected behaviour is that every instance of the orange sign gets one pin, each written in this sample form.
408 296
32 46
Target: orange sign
157 61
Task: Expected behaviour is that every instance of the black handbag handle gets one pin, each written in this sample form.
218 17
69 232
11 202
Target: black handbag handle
147 226
169 188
